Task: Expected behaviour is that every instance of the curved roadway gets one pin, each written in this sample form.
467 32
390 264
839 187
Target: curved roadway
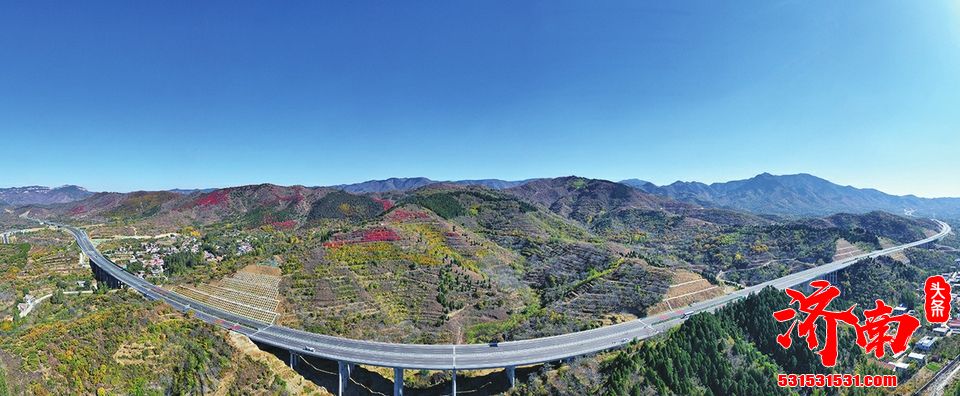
447 357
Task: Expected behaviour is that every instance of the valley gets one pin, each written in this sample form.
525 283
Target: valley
453 263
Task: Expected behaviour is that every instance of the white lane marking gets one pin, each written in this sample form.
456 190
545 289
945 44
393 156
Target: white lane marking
260 329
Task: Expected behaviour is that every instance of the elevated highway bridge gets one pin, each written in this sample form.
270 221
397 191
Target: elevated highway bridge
506 355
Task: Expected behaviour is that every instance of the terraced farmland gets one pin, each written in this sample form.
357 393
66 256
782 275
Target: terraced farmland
252 292
415 278
686 288
845 250
62 262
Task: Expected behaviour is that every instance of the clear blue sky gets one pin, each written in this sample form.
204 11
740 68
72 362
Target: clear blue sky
154 95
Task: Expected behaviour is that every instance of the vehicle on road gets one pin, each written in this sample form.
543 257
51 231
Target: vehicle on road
494 344
686 315
309 349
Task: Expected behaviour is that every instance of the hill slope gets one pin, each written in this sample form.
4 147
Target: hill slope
248 206
585 199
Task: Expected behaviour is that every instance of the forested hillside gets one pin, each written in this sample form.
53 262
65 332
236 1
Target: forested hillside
734 350
117 343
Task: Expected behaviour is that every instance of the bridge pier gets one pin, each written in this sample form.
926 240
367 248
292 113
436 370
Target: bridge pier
345 369
397 381
511 375
103 277
829 277
454 376
293 360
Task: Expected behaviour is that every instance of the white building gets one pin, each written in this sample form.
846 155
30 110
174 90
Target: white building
926 343
899 366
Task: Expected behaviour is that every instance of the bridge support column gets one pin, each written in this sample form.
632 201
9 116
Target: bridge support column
454 376
104 279
345 369
293 360
807 289
829 277
397 381
511 375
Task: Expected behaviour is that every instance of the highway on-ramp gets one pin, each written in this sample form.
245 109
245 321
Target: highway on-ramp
448 357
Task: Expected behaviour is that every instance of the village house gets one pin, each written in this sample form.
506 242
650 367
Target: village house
926 343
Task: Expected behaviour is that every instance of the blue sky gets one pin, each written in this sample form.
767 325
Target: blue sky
154 95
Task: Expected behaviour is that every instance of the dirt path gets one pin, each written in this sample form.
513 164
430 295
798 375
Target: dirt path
30 308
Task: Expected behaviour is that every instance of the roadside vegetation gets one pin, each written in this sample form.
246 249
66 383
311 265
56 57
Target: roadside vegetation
118 343
39 263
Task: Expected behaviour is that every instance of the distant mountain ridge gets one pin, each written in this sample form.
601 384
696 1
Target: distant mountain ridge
799 194
40 195
391 184
413 183
792 195
188 191
585 199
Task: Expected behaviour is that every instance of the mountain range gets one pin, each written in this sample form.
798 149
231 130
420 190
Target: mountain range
412 183
799 194
31 195
789 195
